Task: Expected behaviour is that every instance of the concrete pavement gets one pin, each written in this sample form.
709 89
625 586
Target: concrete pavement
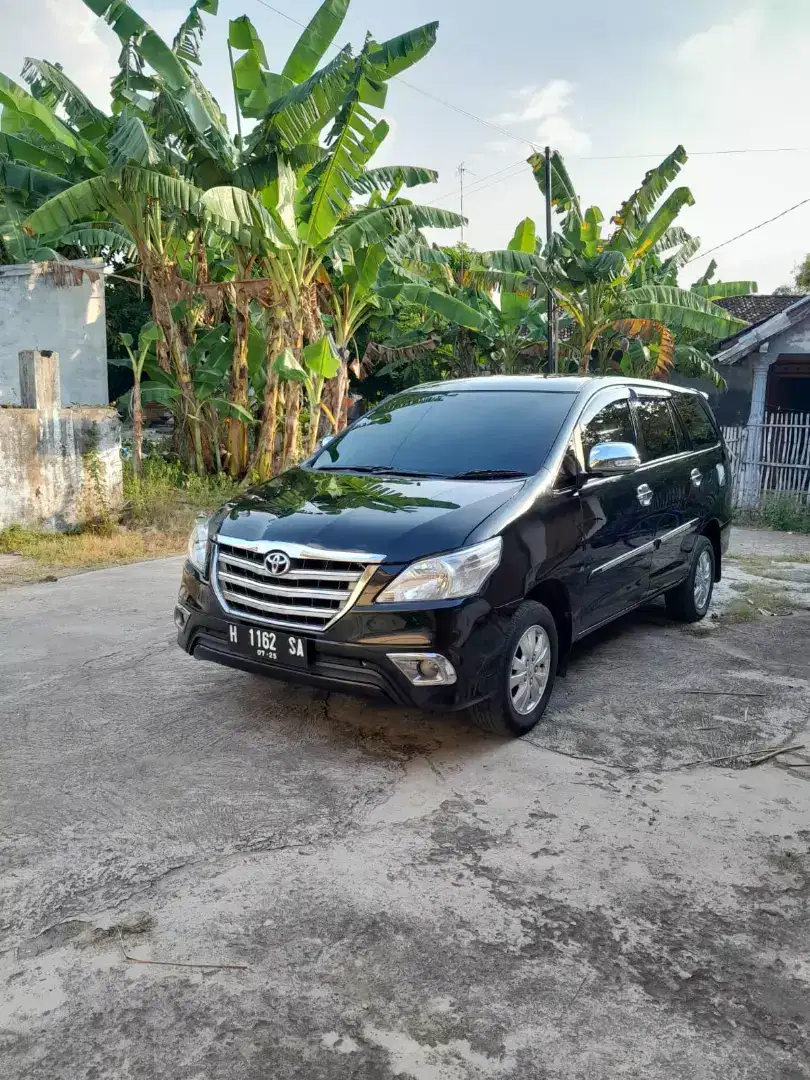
408 897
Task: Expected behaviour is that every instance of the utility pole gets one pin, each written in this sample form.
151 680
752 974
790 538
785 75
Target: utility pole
461 170
550 316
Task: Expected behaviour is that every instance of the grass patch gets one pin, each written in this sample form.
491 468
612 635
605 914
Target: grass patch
739 611
759 596
784 513
159 511
167 499
758 563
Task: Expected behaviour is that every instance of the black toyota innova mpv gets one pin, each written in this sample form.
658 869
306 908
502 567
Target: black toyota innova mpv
447 549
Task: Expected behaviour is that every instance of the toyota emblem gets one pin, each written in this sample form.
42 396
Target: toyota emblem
277 563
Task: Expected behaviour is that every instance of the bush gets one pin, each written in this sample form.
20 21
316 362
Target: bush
168 498
786 513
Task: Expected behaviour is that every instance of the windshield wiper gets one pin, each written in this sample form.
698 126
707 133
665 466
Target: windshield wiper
378 470
490 474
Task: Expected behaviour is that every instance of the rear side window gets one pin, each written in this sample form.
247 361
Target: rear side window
696 420
613 423
657 428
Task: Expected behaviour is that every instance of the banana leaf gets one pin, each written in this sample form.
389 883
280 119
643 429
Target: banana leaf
49 82
396 55
304 110
34 182
78 202
454 311
43 120
313 44
388 176
133 30
131 144
377 224
188 40
680 309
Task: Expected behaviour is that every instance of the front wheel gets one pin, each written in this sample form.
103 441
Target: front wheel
525 674
689 601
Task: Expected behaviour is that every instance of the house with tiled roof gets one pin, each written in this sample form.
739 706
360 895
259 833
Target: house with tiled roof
765 409
766 366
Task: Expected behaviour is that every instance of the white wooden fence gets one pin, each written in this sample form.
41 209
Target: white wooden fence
771 457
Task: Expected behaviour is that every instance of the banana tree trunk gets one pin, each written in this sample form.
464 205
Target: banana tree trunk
237 428
158 277
291 424
137 425
315 413
264 454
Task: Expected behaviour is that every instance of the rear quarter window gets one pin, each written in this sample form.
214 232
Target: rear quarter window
694 413
657 426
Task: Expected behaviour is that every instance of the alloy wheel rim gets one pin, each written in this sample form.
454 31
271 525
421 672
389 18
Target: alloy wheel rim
703 580
529 672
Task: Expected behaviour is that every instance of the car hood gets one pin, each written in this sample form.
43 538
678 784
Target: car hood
400 518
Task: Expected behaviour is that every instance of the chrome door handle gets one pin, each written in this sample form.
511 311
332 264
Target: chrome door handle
645 494
697 477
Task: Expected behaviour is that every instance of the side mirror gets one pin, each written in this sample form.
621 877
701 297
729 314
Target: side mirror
324 442
613 459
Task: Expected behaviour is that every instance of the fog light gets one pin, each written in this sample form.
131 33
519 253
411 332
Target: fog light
180 617
429 670
424 669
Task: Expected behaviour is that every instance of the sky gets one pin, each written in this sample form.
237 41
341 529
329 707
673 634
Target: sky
613 94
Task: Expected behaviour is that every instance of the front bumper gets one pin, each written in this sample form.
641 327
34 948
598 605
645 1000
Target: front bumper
352 657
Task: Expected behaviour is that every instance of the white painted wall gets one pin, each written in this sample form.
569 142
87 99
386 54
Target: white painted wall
70 320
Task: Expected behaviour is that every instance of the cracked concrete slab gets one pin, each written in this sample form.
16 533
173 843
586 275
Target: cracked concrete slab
388 894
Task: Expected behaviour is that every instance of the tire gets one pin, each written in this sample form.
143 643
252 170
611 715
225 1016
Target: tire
689 601
498 714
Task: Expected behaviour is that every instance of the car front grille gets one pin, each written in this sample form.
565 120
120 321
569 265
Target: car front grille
316 590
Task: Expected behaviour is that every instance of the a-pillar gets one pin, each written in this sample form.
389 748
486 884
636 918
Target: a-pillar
751 474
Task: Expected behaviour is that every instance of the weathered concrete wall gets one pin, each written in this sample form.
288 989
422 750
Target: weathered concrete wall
58 467
36 313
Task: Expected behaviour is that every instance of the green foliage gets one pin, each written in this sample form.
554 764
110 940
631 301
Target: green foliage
166 491
786 513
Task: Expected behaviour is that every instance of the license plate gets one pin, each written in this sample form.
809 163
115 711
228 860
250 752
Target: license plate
269 646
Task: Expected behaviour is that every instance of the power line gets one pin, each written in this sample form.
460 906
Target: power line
482 186
747 232
529 142
427 93
454 192
470 115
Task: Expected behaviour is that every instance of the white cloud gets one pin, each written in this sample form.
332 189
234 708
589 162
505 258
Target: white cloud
64 31
739 84
540 102
733 41
545 107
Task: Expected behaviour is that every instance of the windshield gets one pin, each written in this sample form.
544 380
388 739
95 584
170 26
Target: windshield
488 434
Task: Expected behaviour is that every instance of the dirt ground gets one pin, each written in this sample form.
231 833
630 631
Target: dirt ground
326 888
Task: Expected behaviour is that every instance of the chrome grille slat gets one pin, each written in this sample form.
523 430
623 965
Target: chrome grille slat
320 586
283 590
278 609
294 575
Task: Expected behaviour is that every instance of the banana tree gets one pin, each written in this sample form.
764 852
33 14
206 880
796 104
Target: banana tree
600 281
148 336
304 217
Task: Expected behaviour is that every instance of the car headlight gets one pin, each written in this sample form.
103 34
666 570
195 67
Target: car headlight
445 577
198 545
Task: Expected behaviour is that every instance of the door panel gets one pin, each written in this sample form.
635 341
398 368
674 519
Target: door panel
618 535
673 518
667 469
